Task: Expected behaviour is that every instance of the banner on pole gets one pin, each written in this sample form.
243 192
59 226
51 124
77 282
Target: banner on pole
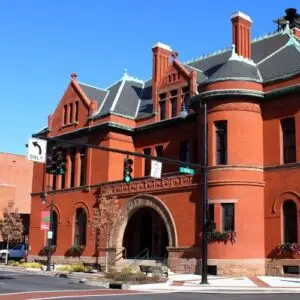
45 220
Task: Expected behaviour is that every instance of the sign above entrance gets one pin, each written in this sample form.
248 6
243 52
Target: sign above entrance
156 167
37 149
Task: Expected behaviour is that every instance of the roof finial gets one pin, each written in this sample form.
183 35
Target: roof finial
286 28
233 56
74 76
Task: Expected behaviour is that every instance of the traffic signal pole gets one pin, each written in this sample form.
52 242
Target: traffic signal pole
125 152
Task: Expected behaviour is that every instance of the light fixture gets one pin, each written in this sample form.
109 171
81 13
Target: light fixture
183 113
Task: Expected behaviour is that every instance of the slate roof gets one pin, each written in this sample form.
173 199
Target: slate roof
274 56
235 69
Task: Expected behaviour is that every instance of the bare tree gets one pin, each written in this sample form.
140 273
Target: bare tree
106 218
11 226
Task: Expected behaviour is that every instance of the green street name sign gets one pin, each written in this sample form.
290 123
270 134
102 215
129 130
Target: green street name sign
187 171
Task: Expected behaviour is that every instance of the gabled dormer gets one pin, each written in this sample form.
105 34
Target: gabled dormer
78 103
172 83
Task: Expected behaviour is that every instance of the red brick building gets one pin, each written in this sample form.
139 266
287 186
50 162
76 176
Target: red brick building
253 147
15 185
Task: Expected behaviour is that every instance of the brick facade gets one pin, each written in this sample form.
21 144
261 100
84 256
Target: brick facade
254 178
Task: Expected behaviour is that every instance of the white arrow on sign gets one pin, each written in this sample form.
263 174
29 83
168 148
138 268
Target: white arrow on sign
156 168
37 150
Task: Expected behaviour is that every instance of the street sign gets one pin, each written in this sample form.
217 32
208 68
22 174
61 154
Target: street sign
187 171
50 235
37 149
45 220
156 168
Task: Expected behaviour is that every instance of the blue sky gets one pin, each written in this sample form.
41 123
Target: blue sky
43 42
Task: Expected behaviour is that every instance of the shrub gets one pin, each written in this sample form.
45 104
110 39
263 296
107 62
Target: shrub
33 265
72 268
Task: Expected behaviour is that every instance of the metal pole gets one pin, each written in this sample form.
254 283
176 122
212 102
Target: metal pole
204 197
50 238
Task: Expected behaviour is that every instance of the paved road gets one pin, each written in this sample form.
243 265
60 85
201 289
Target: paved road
20 286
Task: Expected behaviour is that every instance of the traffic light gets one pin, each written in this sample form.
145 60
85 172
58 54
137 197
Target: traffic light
127 169
56 160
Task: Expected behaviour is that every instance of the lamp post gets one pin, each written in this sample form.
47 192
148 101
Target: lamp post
50 231
183 114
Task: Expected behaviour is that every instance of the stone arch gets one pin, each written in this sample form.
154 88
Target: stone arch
135 203
57 210
81 204
286 195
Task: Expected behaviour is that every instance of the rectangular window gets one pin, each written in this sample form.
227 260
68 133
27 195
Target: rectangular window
288 140
159 150
228 216
173 103
185 151
162 109
211 212
54 182
82 166
162 105
63 181
65 114
72 158
147 162
221 142
76 110
71 113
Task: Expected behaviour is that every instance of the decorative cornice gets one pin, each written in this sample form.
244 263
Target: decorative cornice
238 106
150 185
235 182
232 92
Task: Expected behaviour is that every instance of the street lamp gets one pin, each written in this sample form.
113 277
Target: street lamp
50 231
183 114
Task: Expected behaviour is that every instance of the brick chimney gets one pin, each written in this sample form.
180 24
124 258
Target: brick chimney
241 32
161 57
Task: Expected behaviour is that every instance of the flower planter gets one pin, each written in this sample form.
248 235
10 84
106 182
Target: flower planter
217 236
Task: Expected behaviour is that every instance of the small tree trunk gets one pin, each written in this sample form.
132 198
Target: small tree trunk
106 257
6 254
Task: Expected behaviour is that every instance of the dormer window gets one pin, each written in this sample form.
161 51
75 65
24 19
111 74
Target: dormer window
70 113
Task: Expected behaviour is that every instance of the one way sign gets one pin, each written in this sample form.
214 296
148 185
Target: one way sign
37 149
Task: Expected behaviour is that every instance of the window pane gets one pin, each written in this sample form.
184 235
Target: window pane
228 216
71 113
80 227
185 151
221 142
147 162
290 222
82 166
288 140
162 105
72 158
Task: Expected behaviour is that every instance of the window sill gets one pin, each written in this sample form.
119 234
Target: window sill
70 124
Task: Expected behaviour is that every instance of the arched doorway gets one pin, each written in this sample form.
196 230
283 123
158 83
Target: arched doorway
146 229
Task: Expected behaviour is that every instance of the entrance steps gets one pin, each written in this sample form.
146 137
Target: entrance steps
133 264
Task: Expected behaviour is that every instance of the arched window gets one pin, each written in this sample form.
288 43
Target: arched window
54 228
290 222
80 227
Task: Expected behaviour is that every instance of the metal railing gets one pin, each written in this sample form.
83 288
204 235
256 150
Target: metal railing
144 254
119 255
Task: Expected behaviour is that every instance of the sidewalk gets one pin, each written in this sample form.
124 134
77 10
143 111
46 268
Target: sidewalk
189 283
226 285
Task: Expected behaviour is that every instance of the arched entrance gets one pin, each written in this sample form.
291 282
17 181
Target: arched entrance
137 218
146 230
